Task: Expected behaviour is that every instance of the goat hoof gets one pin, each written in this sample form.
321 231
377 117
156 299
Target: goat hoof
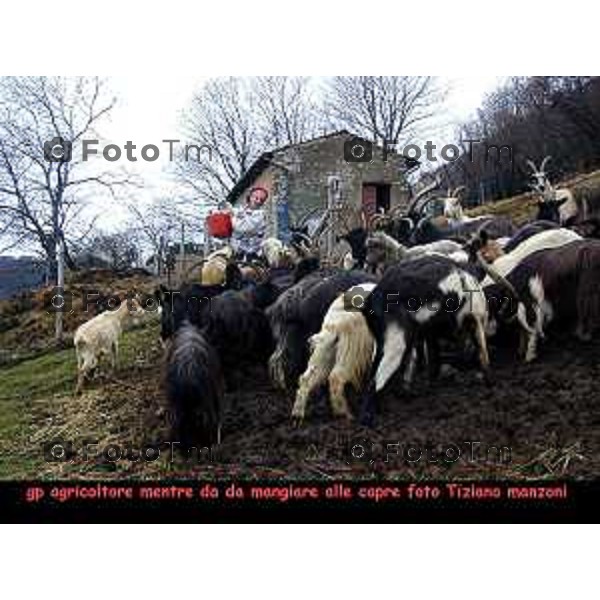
485 378
448 371
344 416
297 421
367 419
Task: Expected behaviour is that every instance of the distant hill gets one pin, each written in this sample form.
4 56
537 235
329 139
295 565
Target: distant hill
18 274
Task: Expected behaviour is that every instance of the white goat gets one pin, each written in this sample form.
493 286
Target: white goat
551 238
341 353
275 252
453 210
452 207
100 336
563 197
349 262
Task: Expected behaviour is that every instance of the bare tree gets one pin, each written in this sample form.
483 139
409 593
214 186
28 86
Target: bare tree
389 108
220 121
42 201
528 118
43 184
119 250
156 226
233 120
285 108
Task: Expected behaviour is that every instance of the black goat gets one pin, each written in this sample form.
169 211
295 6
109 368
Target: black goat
357 239
417 302
236 324
429 230
191 297
194 387
187 302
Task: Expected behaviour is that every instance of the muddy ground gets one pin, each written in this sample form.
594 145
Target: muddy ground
547 413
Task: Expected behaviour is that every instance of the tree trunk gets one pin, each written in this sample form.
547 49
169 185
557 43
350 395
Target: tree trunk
60 283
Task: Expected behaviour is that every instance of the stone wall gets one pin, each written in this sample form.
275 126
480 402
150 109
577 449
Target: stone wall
323 158
311 164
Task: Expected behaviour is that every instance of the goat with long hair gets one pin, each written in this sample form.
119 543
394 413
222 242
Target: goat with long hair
420 300
214 267
195 387
297 314
340 354
555 204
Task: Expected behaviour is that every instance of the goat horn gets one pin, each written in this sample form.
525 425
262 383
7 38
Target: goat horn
303 248
544 162
428 188
305 239
498 278
532 165
376 219
458 190
392 212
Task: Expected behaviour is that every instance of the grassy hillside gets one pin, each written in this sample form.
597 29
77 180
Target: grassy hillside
37 379
523 208
37 403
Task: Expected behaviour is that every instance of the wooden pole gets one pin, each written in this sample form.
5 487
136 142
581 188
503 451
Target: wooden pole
60 283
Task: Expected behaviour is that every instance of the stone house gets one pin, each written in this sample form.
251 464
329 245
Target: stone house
313 176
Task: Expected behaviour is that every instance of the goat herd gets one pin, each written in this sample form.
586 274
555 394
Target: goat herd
398 300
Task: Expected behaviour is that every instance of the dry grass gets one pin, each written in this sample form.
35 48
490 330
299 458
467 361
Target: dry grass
523 208
37 406
551 462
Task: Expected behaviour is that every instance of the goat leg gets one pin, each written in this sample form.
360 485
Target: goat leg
337 398
484 357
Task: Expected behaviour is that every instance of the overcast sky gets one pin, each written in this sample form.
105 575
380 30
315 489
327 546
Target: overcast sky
149 110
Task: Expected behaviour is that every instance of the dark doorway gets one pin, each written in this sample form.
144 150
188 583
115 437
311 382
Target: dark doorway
375 198
383 197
